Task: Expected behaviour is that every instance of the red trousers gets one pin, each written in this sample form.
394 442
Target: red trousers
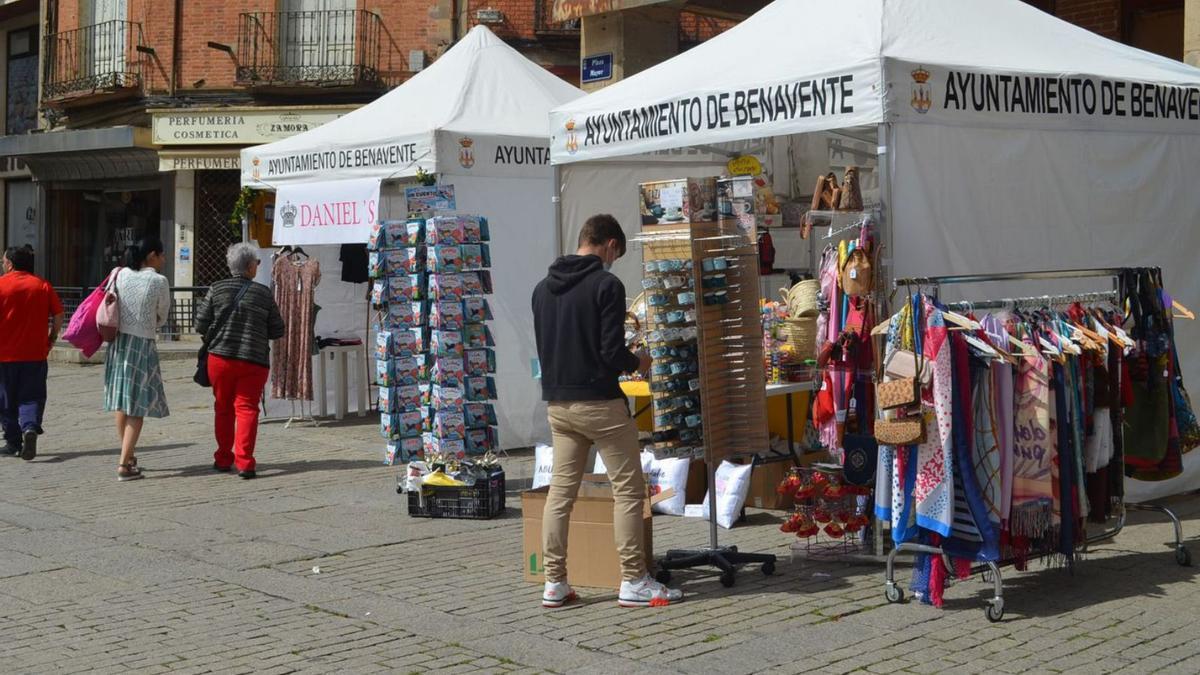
237 386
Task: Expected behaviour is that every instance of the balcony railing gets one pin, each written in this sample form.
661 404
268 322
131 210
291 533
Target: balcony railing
98 58
544 24
327 48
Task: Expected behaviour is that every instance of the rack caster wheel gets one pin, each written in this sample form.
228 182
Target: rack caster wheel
663 576
728 579
894 594
1183 556
994 611
768 568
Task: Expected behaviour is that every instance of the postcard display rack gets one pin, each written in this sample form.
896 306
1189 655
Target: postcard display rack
994 610
434 351
705 337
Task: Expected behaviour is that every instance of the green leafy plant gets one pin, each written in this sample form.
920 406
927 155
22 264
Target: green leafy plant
241 207
425 178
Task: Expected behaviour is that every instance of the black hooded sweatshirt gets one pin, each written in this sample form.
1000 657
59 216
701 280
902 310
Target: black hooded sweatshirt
579 322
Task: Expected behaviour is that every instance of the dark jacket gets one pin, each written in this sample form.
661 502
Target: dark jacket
579 322
248 332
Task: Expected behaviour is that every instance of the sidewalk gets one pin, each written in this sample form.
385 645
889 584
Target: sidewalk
316 567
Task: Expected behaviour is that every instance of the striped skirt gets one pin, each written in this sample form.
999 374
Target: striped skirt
133 381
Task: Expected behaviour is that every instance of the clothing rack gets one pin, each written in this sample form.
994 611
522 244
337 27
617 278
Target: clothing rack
995 606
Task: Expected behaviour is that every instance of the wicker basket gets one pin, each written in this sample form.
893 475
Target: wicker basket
801 336
801 299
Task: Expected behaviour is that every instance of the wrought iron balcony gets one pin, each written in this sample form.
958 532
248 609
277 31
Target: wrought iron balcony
545 25
103 57
322 48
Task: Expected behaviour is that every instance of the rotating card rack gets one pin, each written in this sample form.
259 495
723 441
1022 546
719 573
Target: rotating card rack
995 606
731 371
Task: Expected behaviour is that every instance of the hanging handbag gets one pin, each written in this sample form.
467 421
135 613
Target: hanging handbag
905 391
904 431
861 450
108 314
201 376
857 277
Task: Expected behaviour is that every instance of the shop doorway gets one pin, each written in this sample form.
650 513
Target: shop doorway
216 195
89 230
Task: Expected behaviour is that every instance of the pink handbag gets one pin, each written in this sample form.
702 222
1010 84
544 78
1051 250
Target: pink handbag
81 331
108 314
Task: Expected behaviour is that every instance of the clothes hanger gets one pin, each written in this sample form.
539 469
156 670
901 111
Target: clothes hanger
1182 312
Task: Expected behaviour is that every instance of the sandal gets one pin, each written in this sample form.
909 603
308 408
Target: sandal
128 472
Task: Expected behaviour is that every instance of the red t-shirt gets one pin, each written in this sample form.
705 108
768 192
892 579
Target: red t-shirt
26 304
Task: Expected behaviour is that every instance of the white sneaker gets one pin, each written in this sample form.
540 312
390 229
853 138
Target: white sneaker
556 594
646 592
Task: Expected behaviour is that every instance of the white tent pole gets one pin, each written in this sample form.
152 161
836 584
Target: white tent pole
884 162
556 195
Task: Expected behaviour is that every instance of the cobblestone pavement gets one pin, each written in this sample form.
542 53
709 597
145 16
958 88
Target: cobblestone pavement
191 571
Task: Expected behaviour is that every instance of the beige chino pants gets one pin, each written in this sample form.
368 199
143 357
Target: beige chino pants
575 426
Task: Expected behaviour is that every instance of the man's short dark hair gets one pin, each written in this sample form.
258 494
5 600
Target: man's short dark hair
21 257
601 229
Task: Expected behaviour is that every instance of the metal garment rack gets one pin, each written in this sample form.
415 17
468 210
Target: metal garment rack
995 606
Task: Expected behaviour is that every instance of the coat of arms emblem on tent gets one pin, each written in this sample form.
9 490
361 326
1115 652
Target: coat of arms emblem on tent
922 97
466 154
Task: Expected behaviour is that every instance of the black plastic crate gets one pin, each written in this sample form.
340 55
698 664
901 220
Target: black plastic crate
481 501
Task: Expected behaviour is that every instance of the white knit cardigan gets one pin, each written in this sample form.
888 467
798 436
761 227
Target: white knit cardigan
145 299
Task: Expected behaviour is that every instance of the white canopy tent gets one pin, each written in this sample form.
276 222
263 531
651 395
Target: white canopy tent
1008 140
477 117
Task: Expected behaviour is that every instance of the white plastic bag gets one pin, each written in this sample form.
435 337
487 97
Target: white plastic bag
733 486
664 474
543 465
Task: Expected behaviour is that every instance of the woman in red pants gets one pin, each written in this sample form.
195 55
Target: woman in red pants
243 318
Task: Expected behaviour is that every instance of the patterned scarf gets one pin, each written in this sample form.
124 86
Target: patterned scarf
1034 450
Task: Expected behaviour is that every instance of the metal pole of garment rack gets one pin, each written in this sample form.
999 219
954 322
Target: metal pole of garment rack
995 607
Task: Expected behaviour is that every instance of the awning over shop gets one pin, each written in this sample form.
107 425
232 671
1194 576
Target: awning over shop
84 154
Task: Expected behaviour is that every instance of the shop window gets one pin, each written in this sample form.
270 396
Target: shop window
1155 26
21 97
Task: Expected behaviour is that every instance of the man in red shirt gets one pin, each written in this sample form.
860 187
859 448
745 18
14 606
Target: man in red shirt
31 316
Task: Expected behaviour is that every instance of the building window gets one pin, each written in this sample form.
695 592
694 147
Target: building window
1154 25
21 99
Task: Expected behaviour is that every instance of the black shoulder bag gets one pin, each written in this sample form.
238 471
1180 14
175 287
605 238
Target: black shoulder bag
201 376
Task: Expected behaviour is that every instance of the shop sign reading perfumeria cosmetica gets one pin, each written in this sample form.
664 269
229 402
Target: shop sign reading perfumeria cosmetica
237 126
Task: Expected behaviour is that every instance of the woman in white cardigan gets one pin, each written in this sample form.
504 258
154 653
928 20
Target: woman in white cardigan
133 385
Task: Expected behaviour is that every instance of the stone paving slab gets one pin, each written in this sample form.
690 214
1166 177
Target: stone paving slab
194 572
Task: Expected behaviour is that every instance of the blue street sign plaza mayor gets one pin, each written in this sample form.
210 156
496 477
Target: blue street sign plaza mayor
596 68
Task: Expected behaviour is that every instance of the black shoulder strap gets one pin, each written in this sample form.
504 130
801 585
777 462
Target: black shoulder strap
216 327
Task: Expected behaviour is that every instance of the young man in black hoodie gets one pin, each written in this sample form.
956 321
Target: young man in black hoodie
579 322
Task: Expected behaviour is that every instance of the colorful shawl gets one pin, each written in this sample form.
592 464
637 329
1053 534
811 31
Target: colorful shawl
933 493
1034 451
1003 386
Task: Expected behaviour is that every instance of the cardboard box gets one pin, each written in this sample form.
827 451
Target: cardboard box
591 550
763 481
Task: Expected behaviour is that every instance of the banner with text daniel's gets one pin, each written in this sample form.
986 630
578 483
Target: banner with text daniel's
958 96
608 125
333 212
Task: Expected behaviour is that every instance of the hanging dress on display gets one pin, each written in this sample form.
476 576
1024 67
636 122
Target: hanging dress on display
295 278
